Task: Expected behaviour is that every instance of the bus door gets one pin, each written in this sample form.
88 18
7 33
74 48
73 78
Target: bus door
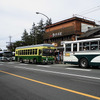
70 51
75 49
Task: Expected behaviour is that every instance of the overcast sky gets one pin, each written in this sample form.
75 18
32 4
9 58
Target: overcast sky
17 15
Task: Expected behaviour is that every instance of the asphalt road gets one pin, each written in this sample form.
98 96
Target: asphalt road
20 81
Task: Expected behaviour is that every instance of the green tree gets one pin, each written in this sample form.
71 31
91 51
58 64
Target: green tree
41 31
48 22
35 36
33 33
13 45
31 39
25 37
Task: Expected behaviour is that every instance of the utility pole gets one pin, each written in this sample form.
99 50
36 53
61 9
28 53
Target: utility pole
10 43
10 39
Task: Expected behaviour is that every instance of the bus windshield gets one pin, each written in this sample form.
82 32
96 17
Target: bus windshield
48 52
7 54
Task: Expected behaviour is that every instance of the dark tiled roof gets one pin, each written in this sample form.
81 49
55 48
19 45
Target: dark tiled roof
90 32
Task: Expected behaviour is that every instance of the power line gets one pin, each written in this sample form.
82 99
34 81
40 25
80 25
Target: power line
81 16
90 10
87 12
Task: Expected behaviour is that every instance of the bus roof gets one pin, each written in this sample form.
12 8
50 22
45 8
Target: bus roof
85 40
5 51
38 45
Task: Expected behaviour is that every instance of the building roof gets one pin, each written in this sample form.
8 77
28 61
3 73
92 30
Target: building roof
71 19
90 32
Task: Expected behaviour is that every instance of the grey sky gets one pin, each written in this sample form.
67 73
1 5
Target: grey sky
17 15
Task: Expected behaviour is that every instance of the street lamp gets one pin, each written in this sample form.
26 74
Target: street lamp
43 15
47 18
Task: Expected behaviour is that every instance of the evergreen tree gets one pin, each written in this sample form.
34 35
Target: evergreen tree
25 37
13 46
41 31
33 33
35 36
48 22
31 39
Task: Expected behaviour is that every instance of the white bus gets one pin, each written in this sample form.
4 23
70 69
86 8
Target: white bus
5 56
85 53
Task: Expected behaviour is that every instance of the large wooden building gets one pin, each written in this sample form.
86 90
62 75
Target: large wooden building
66 30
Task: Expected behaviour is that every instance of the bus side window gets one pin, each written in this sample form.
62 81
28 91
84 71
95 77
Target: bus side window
68 47
85 45
80 46
26 52
75 47
30 51
40 52
18 52
22 52
94 45
33 52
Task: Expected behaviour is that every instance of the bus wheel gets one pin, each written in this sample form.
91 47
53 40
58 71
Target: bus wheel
51 62
34 61
83 63
21 60
29 62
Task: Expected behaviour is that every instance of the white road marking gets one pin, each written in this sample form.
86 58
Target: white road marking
74 75
43 66
79 69
1 62
23 64
11 62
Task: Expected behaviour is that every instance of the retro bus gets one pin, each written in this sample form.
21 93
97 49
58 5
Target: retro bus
85 52
41 53
5 56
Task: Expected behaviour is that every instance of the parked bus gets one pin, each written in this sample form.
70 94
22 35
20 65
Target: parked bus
5 56
85 53
42 53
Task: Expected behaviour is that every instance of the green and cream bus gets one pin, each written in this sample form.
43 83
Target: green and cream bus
41 53
85 53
